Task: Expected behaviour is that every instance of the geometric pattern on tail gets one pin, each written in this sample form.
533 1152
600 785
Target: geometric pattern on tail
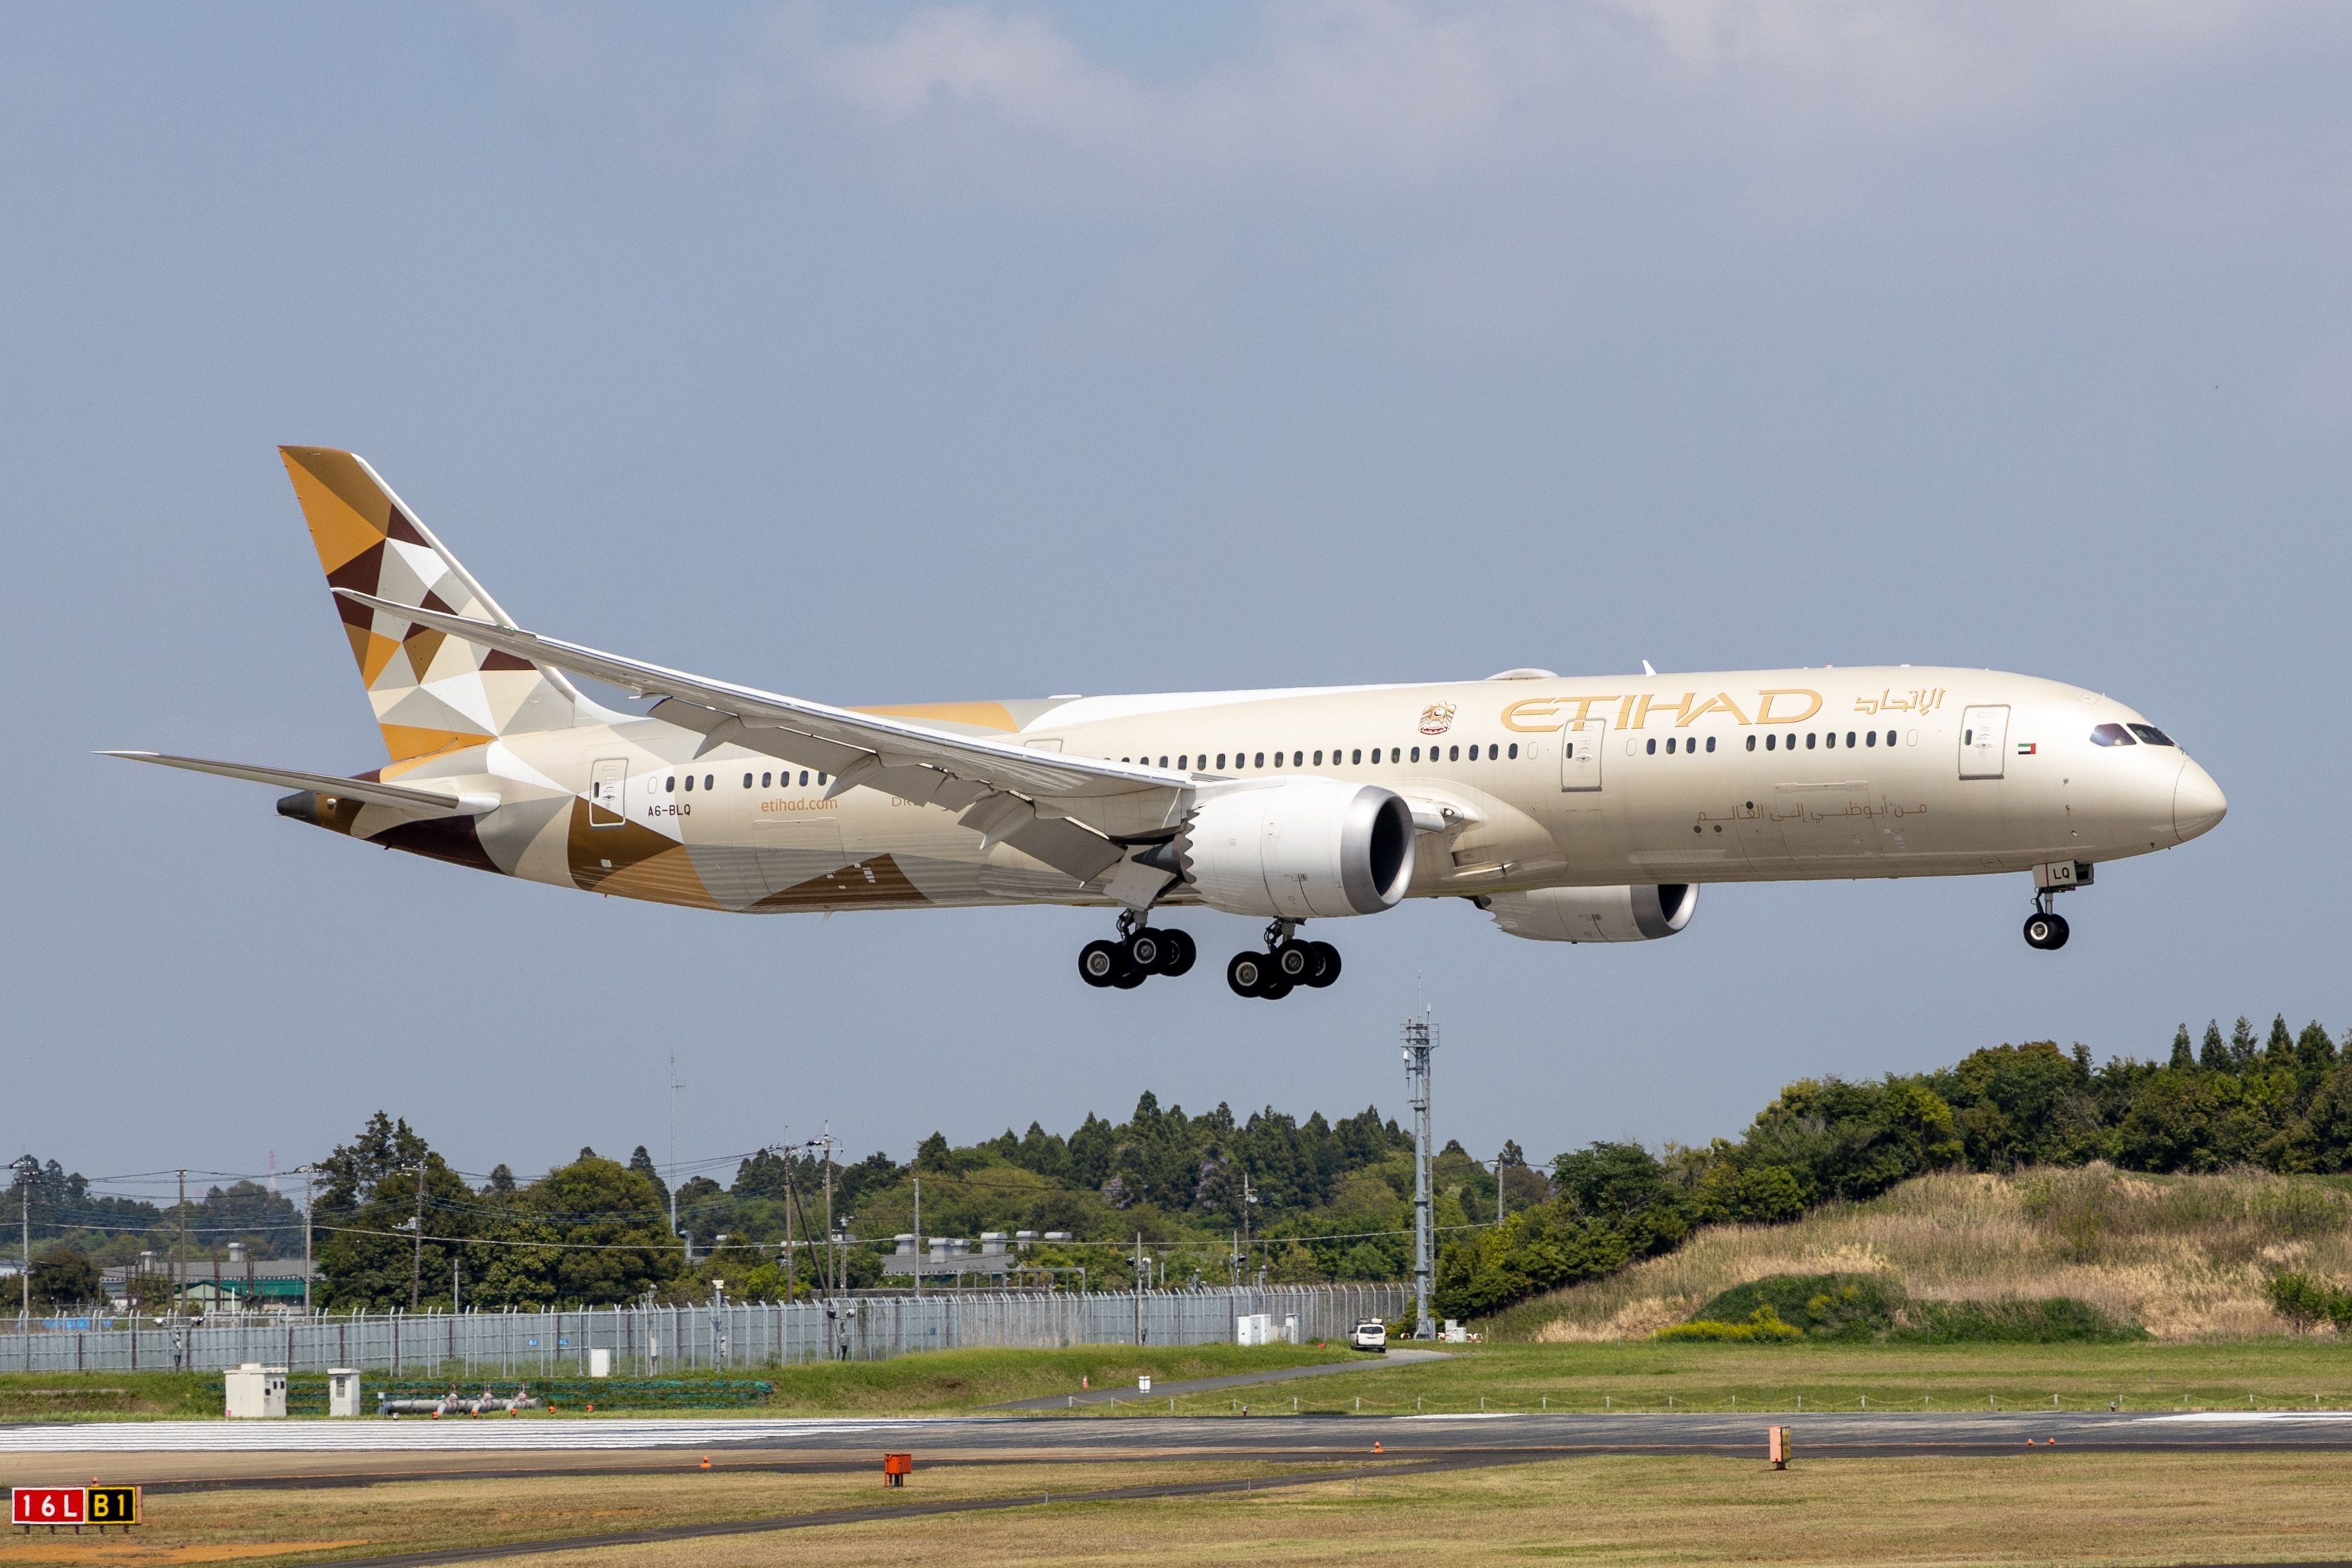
431 692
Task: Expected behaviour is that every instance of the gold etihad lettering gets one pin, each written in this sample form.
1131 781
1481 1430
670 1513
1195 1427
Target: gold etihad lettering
1923 699
1764 714
1541 715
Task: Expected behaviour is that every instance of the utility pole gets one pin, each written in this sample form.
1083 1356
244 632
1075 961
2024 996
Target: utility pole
308 1174
1498 1190
918 1238
833 1271
180 1254
1420 1040
788 1224
25 1167
1139 1287
417 1259
673 1087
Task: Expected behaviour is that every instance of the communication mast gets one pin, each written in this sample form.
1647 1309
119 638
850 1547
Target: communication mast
1419 1040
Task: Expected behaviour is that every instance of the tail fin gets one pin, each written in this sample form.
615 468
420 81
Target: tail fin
431 692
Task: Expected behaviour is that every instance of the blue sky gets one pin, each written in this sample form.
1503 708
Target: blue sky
906 352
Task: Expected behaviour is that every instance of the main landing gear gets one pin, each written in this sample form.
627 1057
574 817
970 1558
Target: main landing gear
1286 964
2045 928
1141 952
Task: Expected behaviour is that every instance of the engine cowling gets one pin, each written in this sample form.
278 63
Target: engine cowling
1642 913
1300 849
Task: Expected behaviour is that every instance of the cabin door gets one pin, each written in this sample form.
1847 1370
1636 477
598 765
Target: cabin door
1580 746
1984 741
608 781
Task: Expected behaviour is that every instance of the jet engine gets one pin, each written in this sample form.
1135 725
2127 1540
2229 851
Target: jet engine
1301 848
1640 914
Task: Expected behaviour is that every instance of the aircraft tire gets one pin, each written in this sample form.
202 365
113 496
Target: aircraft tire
1247 974
2046 933
1326 964
1294 961
1180 952
1100 964
1148 950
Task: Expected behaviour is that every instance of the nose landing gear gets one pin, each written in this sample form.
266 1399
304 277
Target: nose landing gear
1286 964
1141 952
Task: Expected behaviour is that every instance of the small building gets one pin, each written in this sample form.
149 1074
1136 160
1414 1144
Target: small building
237 1283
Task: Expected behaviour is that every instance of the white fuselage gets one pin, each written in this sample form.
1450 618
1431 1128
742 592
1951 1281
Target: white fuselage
1576 782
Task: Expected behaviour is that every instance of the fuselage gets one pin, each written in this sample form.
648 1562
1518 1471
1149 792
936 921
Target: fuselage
1522 782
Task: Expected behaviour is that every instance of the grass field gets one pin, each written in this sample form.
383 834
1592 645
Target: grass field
2275 1374
2046 1508
937 1380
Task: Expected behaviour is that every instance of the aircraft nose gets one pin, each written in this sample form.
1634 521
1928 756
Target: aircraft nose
2197 804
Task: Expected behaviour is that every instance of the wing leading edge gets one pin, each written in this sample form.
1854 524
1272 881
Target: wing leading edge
1077 814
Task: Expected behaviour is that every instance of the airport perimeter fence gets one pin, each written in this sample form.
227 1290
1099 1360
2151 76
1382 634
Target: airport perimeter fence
647 1341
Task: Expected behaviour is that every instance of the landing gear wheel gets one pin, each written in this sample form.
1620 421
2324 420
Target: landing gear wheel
1131 976
1276 988
1326 964
1294 961
1247 974
1100 964
1148 950
1179 950
2046 933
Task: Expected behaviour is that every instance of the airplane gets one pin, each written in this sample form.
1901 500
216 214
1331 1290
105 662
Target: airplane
1570 809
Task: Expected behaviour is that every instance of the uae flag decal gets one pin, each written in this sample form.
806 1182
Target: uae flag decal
2025 749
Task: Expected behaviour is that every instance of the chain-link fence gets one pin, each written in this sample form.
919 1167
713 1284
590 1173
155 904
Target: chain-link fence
647 1341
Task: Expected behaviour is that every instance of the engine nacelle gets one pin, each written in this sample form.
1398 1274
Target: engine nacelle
1639 914
1302 848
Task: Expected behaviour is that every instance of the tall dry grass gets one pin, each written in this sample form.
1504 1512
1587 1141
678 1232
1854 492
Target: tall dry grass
2186 1256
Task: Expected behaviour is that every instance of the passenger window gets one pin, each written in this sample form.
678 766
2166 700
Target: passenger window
1298 759
1670 745
1184 763
1830 740
1221 759
709 782
763 780
1768 741
1751 743
1393 750
1319 759
1654 749
1356 756
2152 735
820 778
1278 759
1416 752
804 775
1968 738
1710 743
1849 739
669 785
1871 738
1454 754
2112 735
1808 740
1890 738
1261 759
1515 751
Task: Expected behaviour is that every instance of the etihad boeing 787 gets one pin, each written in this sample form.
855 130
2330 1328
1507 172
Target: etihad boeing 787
1571 809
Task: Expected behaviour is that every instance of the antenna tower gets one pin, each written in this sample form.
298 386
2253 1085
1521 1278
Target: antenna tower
1419 1040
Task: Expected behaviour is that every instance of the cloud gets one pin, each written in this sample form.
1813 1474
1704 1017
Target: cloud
1380 96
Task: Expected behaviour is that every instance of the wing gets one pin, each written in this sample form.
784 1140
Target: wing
417 802
1077 814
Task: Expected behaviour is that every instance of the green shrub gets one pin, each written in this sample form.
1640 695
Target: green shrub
2054 1319
2303 1300
1819 1306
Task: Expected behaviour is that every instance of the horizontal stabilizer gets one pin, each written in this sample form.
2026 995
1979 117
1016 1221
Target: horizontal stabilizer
416 801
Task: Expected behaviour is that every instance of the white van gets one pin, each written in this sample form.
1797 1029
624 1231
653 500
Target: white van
1370 1335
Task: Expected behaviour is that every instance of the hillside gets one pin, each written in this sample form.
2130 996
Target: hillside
2184 1256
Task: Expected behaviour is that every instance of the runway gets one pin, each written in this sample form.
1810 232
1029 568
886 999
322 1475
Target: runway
504 1444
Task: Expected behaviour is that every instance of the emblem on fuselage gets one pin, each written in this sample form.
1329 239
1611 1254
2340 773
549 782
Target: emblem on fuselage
1437 718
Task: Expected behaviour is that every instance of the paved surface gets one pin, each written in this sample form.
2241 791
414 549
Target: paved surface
1526 1436
1210 1385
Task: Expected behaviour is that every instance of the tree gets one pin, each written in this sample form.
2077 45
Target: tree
2214 1056
65 1277
2183 1054
368 1211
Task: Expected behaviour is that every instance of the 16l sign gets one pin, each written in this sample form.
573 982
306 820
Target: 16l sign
47 1505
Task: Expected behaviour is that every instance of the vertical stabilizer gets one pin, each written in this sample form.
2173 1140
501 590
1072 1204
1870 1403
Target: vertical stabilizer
431 692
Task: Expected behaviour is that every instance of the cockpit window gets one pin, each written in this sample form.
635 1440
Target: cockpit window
2111 734
2152 735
